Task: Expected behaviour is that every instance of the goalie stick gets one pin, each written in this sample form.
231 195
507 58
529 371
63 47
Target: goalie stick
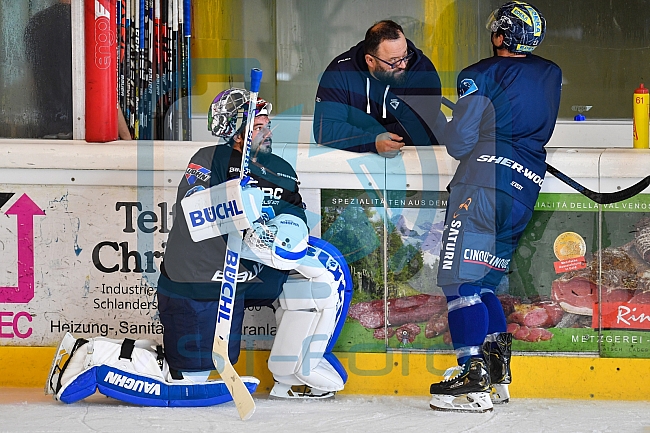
598 197
240 395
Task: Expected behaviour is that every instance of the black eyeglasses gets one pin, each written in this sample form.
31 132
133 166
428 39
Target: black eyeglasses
404 59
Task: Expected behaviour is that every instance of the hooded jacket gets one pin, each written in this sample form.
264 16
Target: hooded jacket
352 107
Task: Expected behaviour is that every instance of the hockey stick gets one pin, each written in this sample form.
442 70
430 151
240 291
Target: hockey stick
598 197
187 20
240 394
183 31
157 89
174 72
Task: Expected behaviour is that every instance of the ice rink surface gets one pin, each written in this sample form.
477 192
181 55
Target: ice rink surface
28 410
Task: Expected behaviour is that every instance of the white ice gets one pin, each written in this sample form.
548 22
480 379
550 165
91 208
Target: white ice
28 410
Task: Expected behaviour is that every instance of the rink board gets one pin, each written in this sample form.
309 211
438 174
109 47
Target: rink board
404 373
83 230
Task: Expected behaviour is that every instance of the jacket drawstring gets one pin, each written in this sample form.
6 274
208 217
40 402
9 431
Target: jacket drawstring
385 93
368 98
368 95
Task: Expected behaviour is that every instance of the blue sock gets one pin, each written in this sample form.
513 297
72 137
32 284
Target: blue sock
468 324
496 317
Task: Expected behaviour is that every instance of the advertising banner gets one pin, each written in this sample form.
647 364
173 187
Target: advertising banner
86 260
575 284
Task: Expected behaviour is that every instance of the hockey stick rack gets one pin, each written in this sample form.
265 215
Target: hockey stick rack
598 197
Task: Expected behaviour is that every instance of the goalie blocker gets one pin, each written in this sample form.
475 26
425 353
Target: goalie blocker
312 311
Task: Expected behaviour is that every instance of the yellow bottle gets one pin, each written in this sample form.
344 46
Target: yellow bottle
641 117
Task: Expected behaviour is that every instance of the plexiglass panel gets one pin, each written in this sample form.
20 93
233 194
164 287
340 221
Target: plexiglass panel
36 70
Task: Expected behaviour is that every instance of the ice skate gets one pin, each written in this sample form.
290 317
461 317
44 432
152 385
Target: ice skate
283 390
497 353
468 391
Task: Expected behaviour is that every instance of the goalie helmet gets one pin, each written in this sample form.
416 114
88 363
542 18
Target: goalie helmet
229 110
522 25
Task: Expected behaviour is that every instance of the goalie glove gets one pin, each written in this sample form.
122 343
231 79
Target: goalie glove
281 243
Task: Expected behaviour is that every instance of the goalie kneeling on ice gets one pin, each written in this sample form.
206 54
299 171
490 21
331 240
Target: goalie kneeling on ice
133 371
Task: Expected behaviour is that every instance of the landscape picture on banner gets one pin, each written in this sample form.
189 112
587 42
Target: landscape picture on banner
548 295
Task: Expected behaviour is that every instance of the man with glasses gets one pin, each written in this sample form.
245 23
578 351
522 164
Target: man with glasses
379 96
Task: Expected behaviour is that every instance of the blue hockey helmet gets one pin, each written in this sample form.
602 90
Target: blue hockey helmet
522 25
229 110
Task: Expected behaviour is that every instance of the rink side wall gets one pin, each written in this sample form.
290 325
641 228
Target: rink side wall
76 215
396 373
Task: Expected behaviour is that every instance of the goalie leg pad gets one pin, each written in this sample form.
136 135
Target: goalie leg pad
129 370
310 318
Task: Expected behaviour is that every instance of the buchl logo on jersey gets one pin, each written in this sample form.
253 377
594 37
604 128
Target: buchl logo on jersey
104 37
11 324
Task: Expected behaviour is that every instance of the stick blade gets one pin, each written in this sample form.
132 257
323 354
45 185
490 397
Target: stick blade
240 395
615 197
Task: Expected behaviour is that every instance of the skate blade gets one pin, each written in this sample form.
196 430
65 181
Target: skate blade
499 394
300 393
473 402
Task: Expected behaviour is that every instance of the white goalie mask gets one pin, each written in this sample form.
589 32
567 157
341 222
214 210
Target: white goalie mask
280 243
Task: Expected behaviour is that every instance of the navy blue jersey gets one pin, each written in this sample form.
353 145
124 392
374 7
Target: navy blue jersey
186 261
504 117
352 107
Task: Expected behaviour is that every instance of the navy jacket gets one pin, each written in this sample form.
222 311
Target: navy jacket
352 107
504 117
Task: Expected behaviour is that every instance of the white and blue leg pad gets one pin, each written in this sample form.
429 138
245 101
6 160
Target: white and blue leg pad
221 209
133 371
312 312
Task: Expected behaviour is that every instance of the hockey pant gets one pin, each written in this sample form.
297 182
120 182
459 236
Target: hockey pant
133 371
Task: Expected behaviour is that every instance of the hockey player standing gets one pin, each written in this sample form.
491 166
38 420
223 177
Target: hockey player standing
506 112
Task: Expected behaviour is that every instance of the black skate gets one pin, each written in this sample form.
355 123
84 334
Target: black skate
468 391
497 353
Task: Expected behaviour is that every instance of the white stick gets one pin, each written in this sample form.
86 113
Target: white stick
240 394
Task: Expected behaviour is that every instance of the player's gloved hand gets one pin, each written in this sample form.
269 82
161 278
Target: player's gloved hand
388 144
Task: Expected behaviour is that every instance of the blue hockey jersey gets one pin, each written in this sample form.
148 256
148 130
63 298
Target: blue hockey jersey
504 117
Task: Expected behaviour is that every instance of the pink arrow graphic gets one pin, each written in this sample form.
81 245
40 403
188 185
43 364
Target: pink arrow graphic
24 209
